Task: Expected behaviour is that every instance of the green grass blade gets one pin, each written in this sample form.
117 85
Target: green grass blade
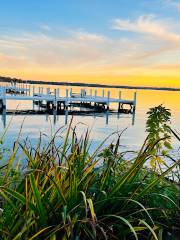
37 197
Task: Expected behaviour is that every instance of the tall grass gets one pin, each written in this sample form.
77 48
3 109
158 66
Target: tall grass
66 192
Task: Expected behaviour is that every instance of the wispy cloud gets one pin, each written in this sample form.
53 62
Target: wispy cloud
85 36
42 50
148 25
78 53
82 52
173 3
45 27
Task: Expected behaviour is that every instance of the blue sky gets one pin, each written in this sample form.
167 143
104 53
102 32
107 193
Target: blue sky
92 15
84 37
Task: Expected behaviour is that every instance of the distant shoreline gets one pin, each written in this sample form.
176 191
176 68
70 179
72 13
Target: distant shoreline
78 84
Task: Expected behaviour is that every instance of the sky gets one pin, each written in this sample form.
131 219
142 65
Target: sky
117 42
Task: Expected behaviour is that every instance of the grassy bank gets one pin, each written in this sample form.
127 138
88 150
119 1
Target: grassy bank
66 192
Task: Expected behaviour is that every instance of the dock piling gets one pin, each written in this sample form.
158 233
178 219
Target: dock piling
71 92
135 97
103 93
29 90
48 91
33 90
108 97
95 93
67 93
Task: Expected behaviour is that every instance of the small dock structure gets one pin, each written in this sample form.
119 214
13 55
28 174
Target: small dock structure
53 100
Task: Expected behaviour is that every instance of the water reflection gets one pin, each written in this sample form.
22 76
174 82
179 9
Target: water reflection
102 124
3 117
66 113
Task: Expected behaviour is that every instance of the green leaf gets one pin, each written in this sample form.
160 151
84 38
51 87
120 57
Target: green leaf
41 210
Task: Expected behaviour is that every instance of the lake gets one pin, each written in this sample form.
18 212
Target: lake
101 124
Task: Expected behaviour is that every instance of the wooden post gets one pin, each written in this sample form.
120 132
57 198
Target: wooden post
107 117
48 91
67 93
119 107
135 96
108 97
57 93
33 90
66 116
119 104
4 98
66 101
54 116
55 99
103 93
4 117
95 93
71 92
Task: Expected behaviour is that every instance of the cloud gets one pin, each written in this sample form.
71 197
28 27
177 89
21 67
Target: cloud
173 3
84 36
148 25
45 27
82 52
44 50
11 61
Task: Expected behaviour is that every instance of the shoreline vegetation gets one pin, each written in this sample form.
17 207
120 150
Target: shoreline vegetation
78 84
59 190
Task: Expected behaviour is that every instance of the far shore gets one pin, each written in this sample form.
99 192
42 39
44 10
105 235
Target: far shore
79 84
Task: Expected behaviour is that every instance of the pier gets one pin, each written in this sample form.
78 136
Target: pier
48 99
54 102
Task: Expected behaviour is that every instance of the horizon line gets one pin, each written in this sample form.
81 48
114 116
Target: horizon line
65 83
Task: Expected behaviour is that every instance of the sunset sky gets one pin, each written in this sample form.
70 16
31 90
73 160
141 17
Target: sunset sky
129 42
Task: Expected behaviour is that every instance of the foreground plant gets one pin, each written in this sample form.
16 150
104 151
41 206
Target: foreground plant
158 127
66 192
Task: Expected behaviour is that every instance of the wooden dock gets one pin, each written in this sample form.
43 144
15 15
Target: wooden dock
53 100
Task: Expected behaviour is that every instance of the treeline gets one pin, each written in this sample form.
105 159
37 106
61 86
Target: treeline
79 84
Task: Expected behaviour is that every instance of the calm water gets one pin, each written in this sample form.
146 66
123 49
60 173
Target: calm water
102 125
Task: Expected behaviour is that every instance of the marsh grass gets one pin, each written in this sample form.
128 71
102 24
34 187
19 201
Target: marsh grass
67 192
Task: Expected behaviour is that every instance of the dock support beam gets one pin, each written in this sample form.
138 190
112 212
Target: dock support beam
55 100
33 90
95 93
48 91
108 97
135 97
71 92
3 99
66 102
103 93
2 105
